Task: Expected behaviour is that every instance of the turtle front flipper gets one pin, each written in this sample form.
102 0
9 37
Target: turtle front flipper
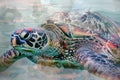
60 64
55 63
98 64
8 58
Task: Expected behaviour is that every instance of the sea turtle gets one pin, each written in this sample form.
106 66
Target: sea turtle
71 40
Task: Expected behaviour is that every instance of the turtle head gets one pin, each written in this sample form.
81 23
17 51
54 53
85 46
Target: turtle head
30 41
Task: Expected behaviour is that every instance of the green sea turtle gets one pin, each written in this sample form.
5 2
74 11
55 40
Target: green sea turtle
71 40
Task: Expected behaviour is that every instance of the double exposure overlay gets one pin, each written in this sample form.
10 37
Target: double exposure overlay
59 40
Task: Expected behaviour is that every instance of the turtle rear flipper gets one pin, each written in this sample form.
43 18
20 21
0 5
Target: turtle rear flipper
98 64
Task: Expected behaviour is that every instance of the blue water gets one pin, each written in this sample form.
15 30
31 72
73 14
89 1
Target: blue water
22 13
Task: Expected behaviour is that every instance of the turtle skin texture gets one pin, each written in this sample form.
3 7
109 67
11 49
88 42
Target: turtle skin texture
70 40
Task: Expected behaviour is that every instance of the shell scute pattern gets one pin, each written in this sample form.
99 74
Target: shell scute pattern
92 22
90 25
71 39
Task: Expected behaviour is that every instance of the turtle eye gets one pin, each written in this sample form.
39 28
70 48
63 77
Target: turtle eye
25 35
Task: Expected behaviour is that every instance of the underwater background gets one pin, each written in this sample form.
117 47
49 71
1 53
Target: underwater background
15 14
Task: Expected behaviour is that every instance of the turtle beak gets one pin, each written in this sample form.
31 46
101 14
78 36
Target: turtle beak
16 40
13 41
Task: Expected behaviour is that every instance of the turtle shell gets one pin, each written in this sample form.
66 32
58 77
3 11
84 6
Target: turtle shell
78 24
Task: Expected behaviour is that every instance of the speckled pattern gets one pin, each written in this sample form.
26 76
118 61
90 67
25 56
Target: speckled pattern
52 45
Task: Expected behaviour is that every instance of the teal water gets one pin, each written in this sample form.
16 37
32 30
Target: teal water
17 14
